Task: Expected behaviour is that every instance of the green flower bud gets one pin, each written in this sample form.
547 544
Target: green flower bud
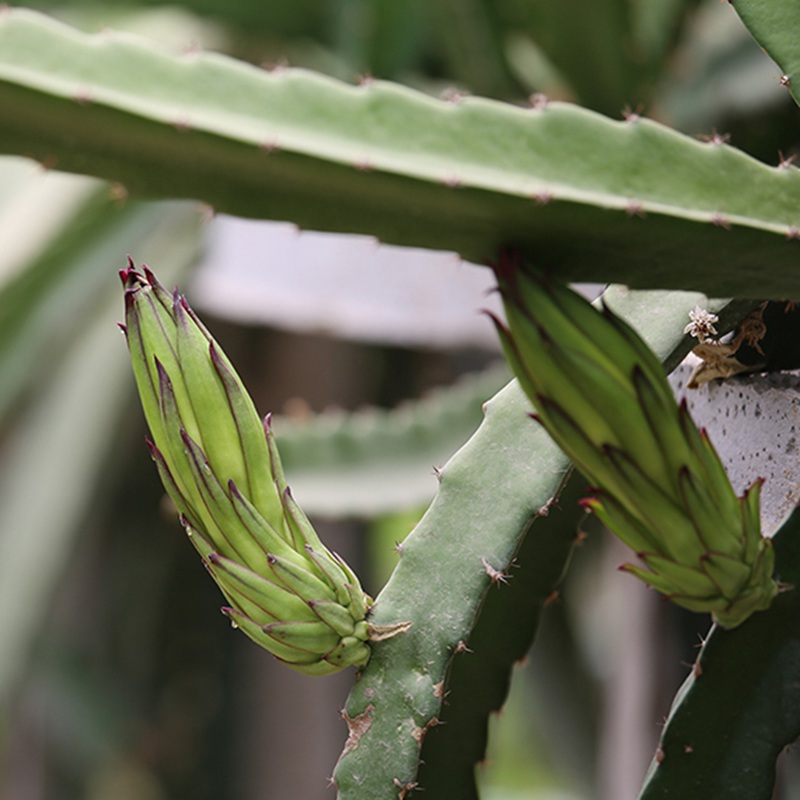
602 395
219 464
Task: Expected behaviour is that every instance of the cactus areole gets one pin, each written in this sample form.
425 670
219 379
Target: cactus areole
219 464
658 483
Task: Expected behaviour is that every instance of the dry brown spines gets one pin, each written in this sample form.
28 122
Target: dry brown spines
632 114
635 209
364 164
495 575
405 788
720 220
420 733
715 139
538 101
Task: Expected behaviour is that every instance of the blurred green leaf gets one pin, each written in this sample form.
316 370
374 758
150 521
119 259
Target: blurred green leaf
55 458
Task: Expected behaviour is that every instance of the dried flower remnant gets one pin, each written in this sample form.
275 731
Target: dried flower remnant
701 326
718 359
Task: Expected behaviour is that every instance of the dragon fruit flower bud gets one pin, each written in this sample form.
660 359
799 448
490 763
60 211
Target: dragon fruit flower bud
219 463
659 485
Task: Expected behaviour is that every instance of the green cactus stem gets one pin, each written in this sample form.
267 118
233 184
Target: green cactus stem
739 708
774 24
488 511
656 209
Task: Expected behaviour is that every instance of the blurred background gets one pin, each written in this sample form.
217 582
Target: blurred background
119 679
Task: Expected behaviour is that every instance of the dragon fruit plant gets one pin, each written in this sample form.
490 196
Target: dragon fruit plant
590 198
